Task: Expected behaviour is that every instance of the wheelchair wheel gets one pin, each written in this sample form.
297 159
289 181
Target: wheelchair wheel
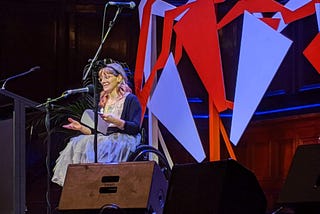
141 154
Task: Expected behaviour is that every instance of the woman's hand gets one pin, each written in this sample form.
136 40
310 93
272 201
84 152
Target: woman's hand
75 125
109 118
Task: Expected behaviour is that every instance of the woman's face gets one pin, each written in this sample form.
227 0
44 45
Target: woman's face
109 80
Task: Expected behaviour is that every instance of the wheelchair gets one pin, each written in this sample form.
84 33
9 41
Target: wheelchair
143 151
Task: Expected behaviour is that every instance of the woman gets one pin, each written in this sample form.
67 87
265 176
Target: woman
121 109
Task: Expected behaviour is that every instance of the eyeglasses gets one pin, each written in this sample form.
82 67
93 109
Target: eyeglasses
107 73
105 77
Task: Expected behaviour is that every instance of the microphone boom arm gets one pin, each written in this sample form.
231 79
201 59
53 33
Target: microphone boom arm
102 42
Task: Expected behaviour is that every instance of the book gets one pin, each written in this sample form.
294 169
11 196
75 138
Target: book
87 119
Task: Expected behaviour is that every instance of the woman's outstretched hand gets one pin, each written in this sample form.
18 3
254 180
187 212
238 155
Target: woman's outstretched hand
73 124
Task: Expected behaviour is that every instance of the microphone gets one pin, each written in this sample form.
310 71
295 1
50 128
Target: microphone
89 89
19 75
130 4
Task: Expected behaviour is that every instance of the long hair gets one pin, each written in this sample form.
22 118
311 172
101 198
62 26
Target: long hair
123 86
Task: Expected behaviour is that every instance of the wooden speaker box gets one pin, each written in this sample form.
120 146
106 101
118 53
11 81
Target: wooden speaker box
129 185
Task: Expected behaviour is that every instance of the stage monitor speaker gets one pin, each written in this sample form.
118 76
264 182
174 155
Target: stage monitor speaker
220 187
301 189
137 186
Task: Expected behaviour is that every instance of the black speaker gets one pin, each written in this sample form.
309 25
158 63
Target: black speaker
131 187
301 190
221 187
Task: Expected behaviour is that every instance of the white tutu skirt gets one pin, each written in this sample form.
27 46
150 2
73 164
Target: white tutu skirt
113 148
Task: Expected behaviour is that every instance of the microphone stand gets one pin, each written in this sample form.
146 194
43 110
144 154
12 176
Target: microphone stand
48 107
95 83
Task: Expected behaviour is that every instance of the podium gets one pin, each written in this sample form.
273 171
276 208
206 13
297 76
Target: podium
12 155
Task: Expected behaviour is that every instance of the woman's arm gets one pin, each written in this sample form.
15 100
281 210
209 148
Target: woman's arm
132 115
130 118
111 119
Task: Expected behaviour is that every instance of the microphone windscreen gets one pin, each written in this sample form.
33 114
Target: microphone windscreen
90 89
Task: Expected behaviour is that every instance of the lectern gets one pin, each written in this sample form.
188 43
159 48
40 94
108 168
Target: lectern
12 151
